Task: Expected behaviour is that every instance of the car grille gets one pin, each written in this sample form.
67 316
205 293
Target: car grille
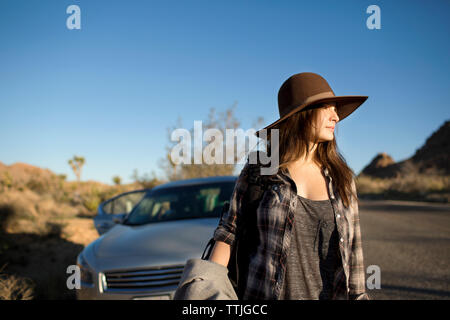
159 278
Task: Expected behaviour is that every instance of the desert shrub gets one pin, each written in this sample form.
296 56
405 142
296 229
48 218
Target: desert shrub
117 180
410 187
37 185
6 180
420 184
91 203
366 184
64 197
15 288
92 200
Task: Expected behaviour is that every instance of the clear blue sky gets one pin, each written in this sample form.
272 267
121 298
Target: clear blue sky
109 91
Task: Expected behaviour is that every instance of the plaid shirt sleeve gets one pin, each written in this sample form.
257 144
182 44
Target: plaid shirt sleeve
357 286
226 229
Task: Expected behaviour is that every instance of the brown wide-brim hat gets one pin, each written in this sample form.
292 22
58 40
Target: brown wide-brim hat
308 90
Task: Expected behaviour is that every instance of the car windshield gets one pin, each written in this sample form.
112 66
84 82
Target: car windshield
184 202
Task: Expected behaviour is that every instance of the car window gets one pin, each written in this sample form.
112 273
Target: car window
123 203
197 201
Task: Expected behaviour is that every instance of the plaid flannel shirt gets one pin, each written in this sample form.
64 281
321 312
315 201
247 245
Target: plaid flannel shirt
275 216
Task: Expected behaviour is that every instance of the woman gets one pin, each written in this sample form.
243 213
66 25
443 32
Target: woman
309 234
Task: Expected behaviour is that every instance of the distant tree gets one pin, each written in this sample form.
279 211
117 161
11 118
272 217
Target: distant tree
117 180
77 163
146 181
135 176
166 163
225 120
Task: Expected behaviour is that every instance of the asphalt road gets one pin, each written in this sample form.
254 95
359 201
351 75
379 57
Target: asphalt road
410 242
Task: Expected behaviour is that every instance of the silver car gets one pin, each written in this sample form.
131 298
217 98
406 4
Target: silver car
143 255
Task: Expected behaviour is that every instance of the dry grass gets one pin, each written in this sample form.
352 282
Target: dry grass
45 222
412 187
15 288
41 250
42 232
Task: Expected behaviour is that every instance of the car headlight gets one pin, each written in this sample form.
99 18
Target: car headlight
86 275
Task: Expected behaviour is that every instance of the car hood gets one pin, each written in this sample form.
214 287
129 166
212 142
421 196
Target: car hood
171 240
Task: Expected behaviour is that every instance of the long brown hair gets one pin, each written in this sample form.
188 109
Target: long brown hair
294 134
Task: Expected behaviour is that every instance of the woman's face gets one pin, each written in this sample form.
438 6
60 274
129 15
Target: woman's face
326 121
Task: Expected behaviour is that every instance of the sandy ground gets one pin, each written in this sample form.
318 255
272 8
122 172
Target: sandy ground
80 230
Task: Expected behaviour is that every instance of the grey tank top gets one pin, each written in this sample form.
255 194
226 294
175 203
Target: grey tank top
314 252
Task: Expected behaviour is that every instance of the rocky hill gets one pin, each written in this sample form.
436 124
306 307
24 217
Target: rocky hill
433 158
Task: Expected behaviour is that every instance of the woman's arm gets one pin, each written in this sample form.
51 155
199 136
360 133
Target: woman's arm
224 235
220 253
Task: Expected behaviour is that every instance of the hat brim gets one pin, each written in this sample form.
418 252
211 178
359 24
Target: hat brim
345 106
